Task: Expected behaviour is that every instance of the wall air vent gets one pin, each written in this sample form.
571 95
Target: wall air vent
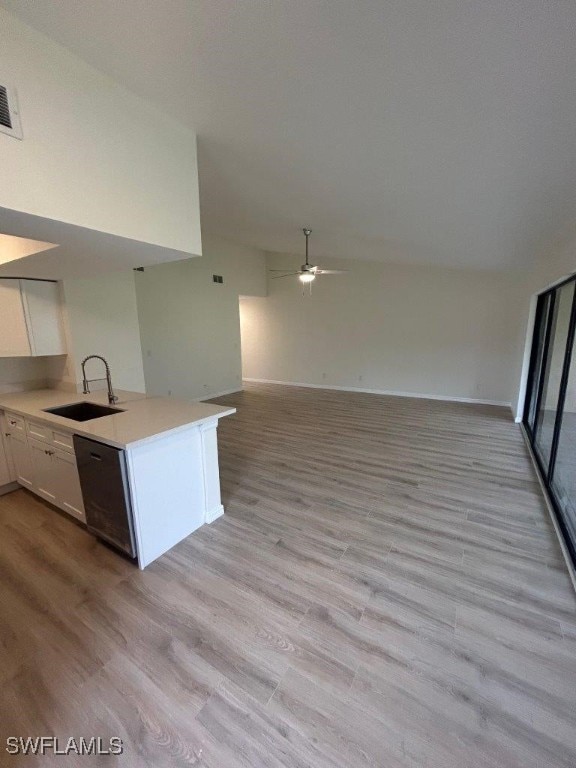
9 112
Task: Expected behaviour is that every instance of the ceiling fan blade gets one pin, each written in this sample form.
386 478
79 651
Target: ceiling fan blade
290 274
331 271
281 270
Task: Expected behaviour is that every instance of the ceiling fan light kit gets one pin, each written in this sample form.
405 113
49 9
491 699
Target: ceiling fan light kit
307 272
307 277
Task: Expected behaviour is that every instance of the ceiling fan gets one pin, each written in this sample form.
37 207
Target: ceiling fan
307 272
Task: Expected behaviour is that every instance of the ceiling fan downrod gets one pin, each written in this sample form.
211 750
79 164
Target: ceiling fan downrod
307 233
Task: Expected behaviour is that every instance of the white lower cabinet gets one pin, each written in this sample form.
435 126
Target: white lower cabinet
42 465
5 477
45 483
56 477
7 473
68 491
18 444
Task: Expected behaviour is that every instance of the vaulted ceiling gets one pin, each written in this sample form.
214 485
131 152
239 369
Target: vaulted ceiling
405 130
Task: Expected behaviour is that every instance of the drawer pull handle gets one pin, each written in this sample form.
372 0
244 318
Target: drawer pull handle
96 456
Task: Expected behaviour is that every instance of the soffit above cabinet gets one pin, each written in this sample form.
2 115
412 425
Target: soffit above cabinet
78 252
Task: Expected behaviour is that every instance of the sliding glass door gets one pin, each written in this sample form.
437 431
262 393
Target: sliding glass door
564 477
550 409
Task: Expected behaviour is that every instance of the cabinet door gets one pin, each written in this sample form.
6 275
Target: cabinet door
6 432
44 477
21 458
41 302
5 474
68 491
13 330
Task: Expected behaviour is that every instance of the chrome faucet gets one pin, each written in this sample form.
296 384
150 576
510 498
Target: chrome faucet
111 396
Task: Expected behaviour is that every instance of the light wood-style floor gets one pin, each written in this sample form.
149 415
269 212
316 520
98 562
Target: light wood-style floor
385 590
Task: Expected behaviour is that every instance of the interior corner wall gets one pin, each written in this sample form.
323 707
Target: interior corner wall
421 330
93 154
190 325
101 318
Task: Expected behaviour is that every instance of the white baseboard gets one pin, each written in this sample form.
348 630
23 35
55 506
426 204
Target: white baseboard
4 489
391 393
214 514
219 394
551 510
517 419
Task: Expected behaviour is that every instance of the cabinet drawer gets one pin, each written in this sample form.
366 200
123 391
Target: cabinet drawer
15 423
63 440
39 432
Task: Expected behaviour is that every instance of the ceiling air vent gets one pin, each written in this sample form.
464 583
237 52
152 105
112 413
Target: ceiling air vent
9 113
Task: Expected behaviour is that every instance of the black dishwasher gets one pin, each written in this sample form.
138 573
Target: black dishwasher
104 483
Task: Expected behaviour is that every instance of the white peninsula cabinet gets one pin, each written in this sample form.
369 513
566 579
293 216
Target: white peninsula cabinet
143 475
30 318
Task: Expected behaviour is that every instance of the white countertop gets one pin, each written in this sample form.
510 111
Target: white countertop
143 418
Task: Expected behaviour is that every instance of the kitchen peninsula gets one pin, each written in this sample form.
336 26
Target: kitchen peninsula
167 447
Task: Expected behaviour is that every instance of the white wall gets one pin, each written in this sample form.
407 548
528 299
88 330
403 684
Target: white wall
190 326
93 154
422 330
101 317
21 373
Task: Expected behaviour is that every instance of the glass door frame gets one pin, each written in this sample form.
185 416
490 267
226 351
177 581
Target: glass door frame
545 306
535 385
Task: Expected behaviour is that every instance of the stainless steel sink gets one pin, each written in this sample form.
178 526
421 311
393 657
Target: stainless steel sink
83 411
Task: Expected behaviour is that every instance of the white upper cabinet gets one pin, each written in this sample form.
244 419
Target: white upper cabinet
43 311
14 340
30 319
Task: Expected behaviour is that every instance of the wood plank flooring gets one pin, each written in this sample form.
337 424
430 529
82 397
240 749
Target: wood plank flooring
385 590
